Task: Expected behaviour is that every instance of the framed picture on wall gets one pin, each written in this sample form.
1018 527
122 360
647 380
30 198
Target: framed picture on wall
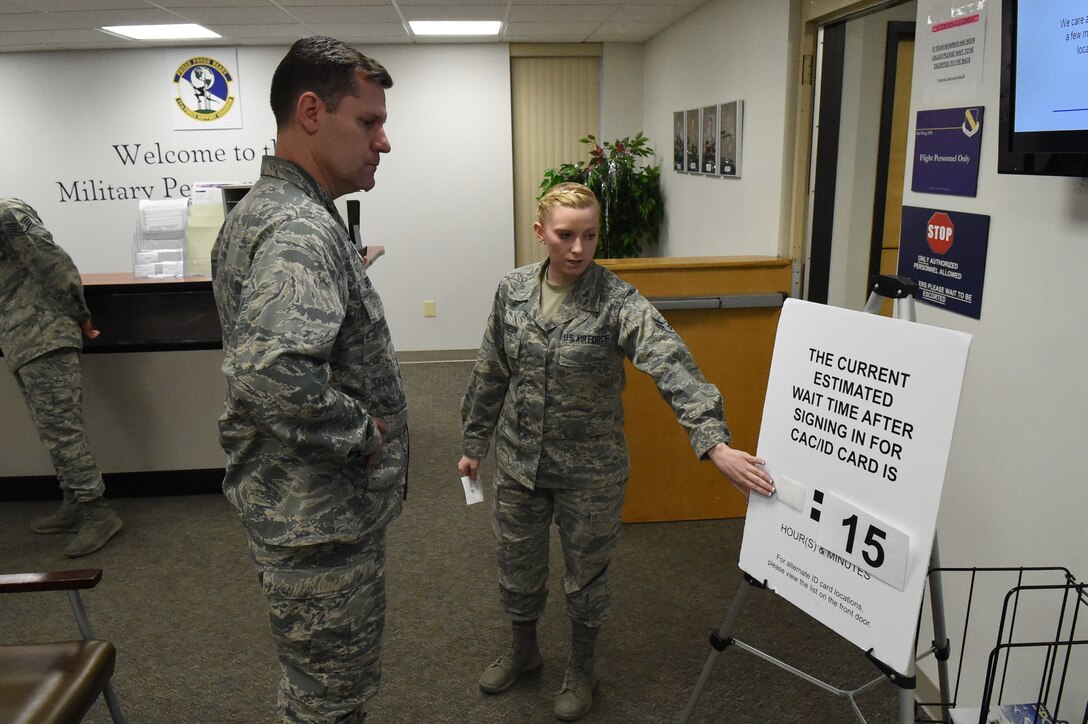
678 140
730 126
691 140
708 141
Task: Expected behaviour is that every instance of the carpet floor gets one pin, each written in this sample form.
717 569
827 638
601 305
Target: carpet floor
179 598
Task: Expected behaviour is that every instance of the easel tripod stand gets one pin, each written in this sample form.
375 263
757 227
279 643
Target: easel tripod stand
902 291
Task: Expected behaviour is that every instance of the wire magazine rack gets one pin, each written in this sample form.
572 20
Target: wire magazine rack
1038 660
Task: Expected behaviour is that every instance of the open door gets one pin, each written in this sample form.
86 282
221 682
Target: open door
860 140
892 155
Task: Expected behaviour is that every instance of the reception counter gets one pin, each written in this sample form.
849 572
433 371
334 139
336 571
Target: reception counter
149 315
153 389
152 392
726 309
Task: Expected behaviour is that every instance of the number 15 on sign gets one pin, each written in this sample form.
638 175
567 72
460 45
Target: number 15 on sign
862 539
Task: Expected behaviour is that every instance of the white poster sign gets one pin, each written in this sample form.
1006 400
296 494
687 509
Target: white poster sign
856 431
204 89
953 46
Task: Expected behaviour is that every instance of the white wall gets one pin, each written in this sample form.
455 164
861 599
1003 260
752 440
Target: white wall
76 106
725 50
444 203
442 206
621 90
1016 492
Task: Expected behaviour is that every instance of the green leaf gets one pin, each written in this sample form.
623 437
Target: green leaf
632 206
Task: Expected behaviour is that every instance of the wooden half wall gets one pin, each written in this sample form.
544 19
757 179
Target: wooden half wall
733 347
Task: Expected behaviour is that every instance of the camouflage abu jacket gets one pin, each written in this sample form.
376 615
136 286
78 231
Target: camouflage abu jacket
41 294
308 361
550 391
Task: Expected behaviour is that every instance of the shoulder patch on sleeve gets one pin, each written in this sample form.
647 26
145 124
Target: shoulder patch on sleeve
660 323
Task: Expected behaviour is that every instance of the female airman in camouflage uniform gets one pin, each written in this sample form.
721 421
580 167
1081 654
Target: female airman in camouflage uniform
547 383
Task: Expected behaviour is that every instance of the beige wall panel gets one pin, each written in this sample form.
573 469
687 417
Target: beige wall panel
556 101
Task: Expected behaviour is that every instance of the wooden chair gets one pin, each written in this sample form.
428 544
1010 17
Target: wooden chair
56 681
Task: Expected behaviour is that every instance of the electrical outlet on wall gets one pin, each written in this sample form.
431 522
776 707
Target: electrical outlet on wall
430 309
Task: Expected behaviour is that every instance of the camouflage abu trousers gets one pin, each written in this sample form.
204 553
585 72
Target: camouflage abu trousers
589 524
327 613
53 389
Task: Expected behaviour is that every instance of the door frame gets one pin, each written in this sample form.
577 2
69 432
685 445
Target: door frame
898 31
814 14
825 177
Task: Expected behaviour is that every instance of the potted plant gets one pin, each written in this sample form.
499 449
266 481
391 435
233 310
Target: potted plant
632 207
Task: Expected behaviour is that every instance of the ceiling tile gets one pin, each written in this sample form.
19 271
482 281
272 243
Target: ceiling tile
286 31
453 12
73 5
340 3
109 44
27 48
177 4
651 13
363 32
559 29
692 4
566 3
331 15
500 4
235 16
546 38
85 20
570 13
38 24
626 32
28 21
51 37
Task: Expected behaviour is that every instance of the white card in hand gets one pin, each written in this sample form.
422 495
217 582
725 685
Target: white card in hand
473 492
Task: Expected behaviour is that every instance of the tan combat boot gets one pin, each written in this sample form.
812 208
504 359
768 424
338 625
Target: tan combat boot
100 524
575 699
524 655
65 519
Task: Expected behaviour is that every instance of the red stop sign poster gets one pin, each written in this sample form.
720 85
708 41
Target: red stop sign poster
939 233
945 252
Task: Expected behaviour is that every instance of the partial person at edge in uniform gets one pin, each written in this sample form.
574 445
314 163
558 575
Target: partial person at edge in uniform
42 314
547 384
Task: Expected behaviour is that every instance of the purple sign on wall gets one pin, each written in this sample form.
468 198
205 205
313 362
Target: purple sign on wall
946 150
945 252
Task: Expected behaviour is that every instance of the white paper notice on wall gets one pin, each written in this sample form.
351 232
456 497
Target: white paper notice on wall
859 417
204 91
952 47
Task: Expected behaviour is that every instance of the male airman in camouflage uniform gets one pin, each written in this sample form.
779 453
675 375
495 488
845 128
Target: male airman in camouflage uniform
42 312
315 423
547 383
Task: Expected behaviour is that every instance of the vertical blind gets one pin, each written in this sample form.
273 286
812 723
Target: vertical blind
556 101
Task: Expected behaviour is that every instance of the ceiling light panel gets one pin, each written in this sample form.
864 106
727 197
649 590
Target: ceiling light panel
176 31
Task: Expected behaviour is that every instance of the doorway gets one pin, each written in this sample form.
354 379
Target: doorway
858 164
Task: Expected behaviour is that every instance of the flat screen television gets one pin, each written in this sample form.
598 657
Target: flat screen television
1043 119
